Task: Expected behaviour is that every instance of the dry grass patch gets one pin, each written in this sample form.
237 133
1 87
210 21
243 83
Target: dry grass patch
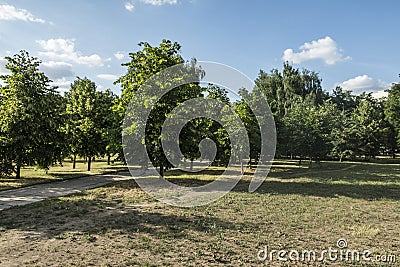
120 225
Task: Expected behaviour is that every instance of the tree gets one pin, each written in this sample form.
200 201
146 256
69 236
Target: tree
344 100
109 122
30 116
367 122
308 129
83 127
392 109
144 64
250 122
344 142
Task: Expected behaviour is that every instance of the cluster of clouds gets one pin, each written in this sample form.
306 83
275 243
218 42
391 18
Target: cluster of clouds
324 49
364 83
8 12
62 53
64 49
327 50
130 6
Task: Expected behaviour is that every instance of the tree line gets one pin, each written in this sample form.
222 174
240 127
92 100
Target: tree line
40 127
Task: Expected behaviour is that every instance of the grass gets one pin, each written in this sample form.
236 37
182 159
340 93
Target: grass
31 176
295 208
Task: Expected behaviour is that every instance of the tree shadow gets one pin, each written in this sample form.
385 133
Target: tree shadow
332 179
53 218
318 189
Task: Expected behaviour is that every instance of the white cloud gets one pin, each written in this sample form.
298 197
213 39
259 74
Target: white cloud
160 2
57 70
108 77
380 94
364 83
8 12
119 55
64 49
63 84
3 70
325 49
129 6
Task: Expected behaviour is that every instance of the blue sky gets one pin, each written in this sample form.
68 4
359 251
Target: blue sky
352 43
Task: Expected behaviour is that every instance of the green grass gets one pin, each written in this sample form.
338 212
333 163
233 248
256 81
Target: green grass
31 176
295 208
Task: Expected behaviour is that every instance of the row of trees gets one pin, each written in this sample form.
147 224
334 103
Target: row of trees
38 126
314 124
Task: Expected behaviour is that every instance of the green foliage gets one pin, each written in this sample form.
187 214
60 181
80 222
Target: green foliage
109 122
91 122
31 116
40 127
392 109
145 63
368 126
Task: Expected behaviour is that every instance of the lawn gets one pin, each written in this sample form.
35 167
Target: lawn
296 208
31 175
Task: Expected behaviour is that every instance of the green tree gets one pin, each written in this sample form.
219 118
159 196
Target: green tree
109 121
368 126
343 99
308 129
30 116
83 127
392 109
144 64
250 122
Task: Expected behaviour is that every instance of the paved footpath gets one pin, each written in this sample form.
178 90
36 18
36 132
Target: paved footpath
39 192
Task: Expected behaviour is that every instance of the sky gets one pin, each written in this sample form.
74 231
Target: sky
354 44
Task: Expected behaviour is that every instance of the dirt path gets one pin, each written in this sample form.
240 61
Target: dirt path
39 192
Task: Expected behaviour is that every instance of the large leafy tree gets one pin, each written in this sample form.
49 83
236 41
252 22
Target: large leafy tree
83 127
392 109
308 129
30 116
144 64
344 100
368 126
109 122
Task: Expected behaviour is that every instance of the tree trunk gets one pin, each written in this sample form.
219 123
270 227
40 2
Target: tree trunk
241 167
74 162
191 164
89 163
18 172
161 171
109 160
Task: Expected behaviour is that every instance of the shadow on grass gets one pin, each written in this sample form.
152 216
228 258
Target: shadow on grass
367 181
101 215
318 189
53 218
